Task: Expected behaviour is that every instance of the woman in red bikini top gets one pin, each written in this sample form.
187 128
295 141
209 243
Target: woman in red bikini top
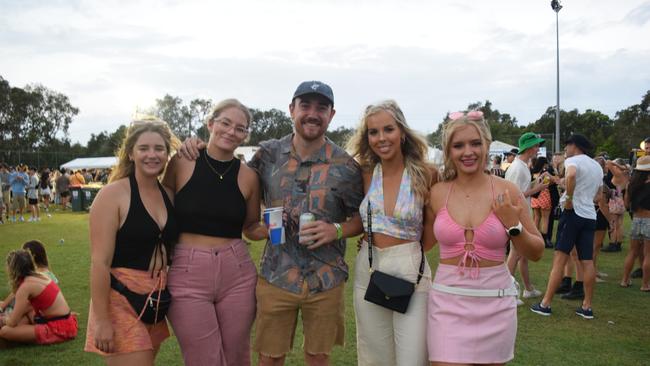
41 314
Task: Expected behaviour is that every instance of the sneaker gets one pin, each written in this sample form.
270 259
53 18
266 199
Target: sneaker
585 313
548 244
541 310
602 274
532 293
31 219
599 280
519 302
21 219
49 216
637 273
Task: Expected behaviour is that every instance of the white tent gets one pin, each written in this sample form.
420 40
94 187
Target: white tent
90 163
246 152
498 147
435 156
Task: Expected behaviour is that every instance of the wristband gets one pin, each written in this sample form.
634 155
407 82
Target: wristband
339 231
569 197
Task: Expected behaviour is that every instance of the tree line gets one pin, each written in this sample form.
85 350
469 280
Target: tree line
34 124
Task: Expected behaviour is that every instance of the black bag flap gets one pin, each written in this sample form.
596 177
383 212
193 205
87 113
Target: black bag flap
391 286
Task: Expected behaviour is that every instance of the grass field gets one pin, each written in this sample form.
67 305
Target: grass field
619 335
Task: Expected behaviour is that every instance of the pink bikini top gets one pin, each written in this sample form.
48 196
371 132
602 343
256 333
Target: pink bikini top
488 242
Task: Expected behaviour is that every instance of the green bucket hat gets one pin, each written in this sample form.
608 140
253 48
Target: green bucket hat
528 140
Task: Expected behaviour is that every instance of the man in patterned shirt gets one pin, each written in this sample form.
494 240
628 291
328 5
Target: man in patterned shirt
306 172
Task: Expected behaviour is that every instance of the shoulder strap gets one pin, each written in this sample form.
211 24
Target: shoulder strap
451 185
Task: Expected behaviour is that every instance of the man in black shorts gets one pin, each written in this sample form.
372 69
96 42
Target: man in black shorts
577 223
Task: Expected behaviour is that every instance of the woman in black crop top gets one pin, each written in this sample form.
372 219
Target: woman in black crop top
212 277
637 199
132 230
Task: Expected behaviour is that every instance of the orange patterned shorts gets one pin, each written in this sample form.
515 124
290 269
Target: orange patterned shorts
131 335
543 201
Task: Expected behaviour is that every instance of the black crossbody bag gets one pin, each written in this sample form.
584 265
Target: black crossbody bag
151 308
386 290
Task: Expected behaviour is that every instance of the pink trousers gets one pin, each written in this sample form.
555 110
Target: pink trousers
213 303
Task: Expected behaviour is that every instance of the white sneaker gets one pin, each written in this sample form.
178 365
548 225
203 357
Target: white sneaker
31 219
49 215
601 274
599 280
519 302
22 219
532 293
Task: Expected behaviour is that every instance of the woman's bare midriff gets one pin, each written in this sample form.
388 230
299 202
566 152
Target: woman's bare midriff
203 241
383 241
482 263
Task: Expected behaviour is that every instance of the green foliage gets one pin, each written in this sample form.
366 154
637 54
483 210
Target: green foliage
340 135
270 124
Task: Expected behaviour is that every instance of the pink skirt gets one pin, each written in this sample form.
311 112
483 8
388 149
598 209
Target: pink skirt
466 329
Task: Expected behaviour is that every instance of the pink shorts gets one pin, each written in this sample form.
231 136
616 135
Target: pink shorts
57 331
466 329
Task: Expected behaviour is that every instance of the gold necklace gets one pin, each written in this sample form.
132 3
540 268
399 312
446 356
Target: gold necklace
221 175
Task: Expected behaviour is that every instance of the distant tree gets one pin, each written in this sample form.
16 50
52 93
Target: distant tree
105 144
199 110
340 135
270 124
171 110
33 117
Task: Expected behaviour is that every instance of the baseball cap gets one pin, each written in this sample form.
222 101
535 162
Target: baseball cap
314 87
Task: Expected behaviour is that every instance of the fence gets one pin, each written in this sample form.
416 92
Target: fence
39 159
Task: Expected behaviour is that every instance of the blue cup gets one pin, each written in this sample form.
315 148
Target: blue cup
276 235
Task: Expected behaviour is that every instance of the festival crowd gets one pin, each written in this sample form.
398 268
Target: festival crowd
167 240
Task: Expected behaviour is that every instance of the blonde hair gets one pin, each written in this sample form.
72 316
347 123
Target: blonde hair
125 166
229 103
448 131
414 148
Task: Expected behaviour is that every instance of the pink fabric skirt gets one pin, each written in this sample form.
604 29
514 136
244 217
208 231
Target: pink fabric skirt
465 329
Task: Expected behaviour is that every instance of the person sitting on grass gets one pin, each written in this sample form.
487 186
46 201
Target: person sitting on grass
41 314
37 250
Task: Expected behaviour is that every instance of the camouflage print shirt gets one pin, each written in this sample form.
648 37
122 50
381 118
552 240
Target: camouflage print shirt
327 184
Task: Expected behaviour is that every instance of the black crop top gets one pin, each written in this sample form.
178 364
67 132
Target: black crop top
140 238
210 203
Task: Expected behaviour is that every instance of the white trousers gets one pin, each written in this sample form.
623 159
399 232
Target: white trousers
386 337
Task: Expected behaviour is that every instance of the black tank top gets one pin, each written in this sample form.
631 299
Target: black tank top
211 203
140 238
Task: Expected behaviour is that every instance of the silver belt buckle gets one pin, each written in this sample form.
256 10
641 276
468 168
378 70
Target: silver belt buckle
501 292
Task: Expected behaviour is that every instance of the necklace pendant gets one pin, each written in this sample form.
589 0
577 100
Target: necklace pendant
220 177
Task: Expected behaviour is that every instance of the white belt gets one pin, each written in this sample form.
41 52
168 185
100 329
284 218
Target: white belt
501 292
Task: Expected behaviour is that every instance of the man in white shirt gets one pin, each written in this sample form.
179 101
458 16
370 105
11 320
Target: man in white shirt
519 174
583 181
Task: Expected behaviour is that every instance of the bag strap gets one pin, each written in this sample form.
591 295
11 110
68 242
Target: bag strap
369 231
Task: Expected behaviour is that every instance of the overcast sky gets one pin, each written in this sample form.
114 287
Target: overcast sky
111 57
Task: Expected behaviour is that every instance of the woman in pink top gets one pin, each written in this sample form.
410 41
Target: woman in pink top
472 312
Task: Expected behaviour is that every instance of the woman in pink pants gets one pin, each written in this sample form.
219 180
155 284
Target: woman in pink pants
212 277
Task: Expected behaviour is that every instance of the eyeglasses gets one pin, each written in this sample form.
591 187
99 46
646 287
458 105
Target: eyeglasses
226 125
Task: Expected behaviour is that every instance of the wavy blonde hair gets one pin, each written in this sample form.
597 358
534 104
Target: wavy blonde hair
414 148
125 166
448 131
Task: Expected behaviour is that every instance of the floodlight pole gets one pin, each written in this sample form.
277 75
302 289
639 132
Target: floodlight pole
555 4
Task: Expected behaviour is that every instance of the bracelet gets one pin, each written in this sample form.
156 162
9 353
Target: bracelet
339 231
569 197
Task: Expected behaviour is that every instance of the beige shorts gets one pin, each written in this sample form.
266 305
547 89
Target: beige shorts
18 202
277 314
